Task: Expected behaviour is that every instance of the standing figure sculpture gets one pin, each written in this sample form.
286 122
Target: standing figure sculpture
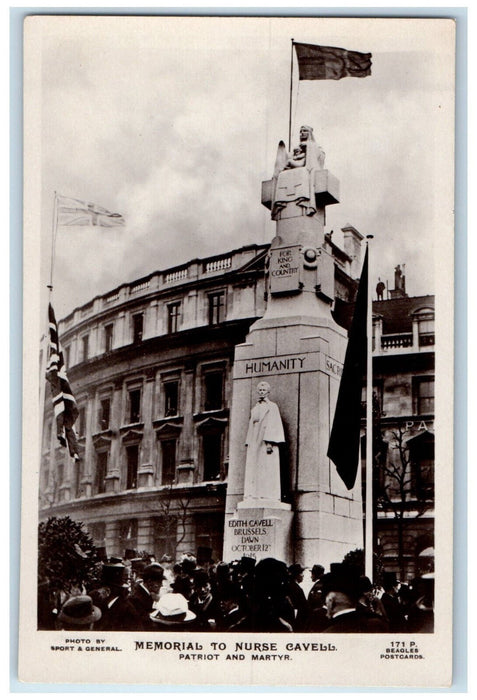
299 187
265 433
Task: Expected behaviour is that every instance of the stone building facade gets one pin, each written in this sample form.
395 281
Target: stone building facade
150 364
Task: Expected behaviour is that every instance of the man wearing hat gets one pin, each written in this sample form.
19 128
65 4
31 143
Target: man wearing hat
146 593
119 614
78 613
341 589
173 614
391 603
297 596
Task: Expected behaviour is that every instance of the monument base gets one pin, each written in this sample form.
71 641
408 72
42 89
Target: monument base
258 531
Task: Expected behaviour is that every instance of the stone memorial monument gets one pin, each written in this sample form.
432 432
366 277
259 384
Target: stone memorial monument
294 353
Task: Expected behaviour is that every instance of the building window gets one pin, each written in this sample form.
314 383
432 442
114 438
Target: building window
209 538
77 479
81 422
104 413
127 535
212 456
132 459
138 324
97 532
66 356
426 332
108 337
171 398
134 405
424 395
101 471
61 474
85 347
168 461
173 314
165 535
216 308
214 390
421 454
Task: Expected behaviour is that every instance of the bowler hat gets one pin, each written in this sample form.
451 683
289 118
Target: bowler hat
172 609
153 572
79 610
129 553
295 569
115 560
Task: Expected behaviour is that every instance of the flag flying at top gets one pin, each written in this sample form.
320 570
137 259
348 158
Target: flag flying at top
343 448
64 403
331 63
75 212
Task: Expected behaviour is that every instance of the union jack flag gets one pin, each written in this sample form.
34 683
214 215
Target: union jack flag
76 212
64 403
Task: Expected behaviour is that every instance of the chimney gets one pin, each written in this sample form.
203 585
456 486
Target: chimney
352 247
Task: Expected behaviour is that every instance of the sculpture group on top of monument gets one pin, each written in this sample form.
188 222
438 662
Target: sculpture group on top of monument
299 184
265 433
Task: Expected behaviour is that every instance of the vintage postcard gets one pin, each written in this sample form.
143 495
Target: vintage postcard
238 309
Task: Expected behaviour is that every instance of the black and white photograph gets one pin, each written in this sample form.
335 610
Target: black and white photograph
238 336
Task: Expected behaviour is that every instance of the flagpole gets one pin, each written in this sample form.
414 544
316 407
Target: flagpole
46 341
53 240
369 522
291 97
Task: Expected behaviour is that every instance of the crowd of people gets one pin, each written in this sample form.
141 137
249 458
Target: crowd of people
140 594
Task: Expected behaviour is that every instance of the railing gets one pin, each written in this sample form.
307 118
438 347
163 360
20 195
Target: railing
426 339
112 297
396 340
216 265
176 275
139 287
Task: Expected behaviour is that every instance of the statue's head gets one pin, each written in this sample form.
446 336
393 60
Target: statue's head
263 389
306 133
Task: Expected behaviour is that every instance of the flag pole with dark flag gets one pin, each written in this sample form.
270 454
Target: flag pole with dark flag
331 62
64 403
326 63
343 447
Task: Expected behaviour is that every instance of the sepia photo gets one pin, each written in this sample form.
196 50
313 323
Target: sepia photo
238 333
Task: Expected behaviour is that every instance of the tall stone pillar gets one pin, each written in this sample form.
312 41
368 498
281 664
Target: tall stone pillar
299 350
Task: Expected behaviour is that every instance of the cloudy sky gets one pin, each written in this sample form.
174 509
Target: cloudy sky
174 123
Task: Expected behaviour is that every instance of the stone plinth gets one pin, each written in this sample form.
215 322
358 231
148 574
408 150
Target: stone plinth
258 530
301 357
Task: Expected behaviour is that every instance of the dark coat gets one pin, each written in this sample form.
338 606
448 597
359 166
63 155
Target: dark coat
120 617
142 602
356 621
297 598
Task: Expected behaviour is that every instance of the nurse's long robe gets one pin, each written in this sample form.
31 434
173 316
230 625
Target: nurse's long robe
262 470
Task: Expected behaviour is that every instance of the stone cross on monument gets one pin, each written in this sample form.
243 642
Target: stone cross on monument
297 351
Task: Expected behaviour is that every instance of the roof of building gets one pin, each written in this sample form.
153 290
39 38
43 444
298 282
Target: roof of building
396 313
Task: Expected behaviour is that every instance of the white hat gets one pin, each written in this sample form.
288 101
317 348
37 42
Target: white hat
172 609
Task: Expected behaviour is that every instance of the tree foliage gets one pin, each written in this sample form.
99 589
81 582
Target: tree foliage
67 556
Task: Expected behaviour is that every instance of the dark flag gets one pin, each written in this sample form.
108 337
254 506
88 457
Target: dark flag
331 63
64 403
343 448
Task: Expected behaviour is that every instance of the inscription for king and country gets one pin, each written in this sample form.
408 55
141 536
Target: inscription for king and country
285 265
